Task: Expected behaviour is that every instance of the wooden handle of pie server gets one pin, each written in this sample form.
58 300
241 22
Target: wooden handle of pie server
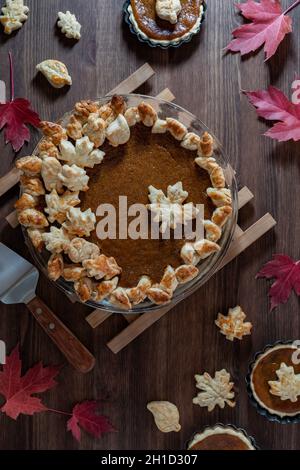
70 346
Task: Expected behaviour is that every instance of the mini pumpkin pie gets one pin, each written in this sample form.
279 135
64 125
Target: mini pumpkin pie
221 437
164 23
274 383
106 151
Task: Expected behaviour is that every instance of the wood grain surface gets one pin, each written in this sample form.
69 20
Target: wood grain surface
161 363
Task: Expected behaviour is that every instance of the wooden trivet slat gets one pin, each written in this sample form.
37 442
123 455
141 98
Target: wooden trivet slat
131 83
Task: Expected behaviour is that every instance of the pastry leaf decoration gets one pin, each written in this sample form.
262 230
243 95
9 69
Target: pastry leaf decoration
273 105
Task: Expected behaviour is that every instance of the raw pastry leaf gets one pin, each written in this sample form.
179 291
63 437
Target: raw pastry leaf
273 105
268 26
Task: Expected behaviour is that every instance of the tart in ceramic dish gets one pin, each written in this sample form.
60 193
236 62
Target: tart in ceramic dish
125 146
164 23
221 437
274 383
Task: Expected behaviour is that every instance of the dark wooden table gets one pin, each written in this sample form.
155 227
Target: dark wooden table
160 364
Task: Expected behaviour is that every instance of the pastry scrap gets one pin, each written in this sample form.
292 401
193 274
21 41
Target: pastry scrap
14 13
54 180
69 25
56 73
215 391
233 326
220 437
166 415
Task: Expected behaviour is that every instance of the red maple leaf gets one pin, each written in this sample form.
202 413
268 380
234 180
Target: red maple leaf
85 415
273 105
17 390
287 274
14 115
269 26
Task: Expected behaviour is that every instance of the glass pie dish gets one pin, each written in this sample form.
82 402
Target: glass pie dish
206 267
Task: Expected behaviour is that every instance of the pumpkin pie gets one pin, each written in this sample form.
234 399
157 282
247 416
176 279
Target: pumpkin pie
274 382
106 151
221 437
164 23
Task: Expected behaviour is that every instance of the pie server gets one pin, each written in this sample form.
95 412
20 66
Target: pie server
18 281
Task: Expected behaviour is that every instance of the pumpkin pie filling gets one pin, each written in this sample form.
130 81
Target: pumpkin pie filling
264 371
128 170
152 26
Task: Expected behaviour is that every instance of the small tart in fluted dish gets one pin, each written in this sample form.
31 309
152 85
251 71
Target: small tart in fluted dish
101 152
164 23
274 382
221 437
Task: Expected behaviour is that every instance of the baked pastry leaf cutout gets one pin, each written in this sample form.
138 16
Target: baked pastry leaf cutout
166 415
69 25
215 391
287 387
233 325
14 13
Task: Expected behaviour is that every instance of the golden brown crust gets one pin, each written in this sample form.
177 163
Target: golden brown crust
217 178
36 237
120 299
205 248
104 289
30 166
53 131
74 128
73 272
212 231
55 266
221 215
80 250
206 145
102 267
169 281
26 201
220 197
139 293
94 129
159 296
186 273
47 147
208 164
147 113
32 218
